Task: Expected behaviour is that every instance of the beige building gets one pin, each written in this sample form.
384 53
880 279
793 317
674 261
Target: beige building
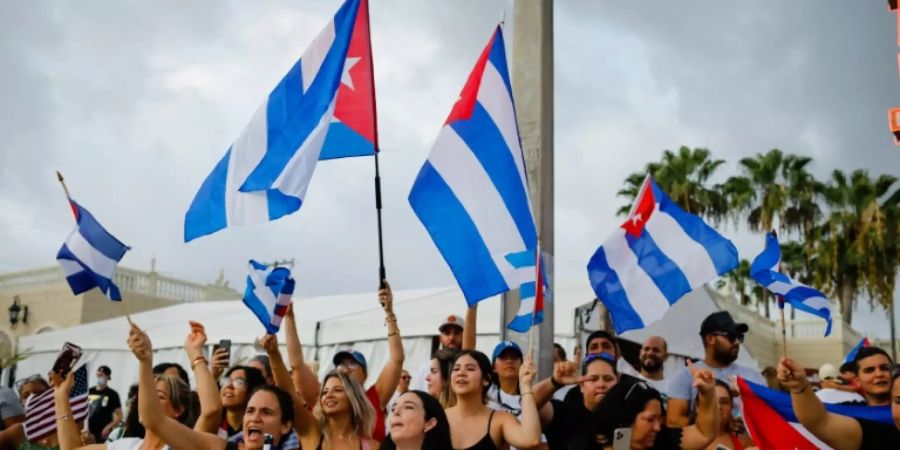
44 302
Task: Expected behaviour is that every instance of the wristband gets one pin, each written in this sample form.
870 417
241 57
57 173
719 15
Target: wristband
198 360
65 416
556 384
805 387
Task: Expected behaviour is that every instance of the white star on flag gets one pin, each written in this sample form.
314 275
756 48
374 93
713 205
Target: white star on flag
345 77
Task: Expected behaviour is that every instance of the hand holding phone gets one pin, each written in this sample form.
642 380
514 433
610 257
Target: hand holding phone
68 357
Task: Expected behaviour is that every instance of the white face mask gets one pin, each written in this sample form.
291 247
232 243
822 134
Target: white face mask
101 381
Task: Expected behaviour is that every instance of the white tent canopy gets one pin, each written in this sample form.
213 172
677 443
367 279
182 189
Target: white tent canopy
326 324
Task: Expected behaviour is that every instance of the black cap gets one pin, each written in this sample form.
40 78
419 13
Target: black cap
105 370
721 321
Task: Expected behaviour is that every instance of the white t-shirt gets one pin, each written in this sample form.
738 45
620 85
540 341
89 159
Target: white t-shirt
660 385
831 395
128 444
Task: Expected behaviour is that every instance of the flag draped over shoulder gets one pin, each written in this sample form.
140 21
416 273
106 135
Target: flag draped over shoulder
764 270
268 294
266 172
40 415
659 254
772 424
472 194
90 255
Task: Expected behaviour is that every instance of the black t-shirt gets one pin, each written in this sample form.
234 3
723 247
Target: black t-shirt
103 404
877 435
569 420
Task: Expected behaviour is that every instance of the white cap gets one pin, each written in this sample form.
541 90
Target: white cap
452 320
827 371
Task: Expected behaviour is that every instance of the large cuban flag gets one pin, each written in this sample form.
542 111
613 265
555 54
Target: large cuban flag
268 294
267 170
772 423
659 254
90 255
764 270
471 194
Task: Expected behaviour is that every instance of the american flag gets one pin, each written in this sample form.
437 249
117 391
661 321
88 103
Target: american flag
40 416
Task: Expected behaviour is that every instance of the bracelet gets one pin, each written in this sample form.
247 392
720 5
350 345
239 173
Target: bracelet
801 390
198 360
393 334
65 416
556 384
526 393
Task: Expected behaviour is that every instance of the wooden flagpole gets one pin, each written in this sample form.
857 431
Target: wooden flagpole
62 181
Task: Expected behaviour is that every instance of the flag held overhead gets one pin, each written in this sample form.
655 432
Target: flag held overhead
268 294
90 255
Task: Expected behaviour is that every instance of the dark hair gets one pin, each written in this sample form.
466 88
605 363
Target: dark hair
161 368
285 402
484 364
560 351
133 427
621 405
591 358
601 334
254 377
848 366
437 438
866 352
264 360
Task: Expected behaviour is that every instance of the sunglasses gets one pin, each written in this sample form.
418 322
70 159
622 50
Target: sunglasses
730 336
236 382
595 356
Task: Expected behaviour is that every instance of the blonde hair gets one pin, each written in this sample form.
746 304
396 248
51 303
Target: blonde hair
179 395
362 414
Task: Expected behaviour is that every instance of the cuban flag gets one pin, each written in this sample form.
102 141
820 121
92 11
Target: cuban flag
764 270
471 194
90 255
267 170
268 294
531 293
659 254
771 422
852 355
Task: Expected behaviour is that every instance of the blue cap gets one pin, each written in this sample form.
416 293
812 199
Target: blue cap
355 355
503 346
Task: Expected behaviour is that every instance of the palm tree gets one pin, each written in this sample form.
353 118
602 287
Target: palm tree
684 175
856 248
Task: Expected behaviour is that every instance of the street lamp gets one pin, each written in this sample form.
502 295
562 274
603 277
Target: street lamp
15 310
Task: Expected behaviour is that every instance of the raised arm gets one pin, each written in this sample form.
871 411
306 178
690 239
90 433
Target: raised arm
835 430
527 433
169 430
66 429
207 391
470 331
699 435
304 422
389 377
305 381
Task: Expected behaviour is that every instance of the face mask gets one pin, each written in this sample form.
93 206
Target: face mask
101 381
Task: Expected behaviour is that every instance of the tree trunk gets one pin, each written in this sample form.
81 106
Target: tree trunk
845 295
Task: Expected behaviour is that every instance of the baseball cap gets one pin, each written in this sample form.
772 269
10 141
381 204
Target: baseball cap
721 321
105 371
827 371
353 354
504 346
452 320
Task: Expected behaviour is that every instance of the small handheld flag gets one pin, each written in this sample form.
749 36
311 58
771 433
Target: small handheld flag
90 255
864 342
268 294
764 270
531 293
656 257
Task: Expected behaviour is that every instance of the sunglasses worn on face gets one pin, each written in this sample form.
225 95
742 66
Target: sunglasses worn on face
236 382
730 336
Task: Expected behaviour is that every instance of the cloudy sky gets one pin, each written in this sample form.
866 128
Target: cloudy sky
136 101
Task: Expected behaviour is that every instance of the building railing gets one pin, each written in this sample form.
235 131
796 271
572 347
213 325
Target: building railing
130 280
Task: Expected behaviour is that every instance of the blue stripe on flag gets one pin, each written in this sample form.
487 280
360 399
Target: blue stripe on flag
81 281
497 57
343 142
525 258
781 403
100 239
522 324
721 251
207 211
482 136
280 204
291 117
608 288
663 271
456 236
527 290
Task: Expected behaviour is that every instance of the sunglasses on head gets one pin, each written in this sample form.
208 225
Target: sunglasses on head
730 336
595 356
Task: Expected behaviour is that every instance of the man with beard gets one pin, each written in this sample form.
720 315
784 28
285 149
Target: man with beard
652 357
722 338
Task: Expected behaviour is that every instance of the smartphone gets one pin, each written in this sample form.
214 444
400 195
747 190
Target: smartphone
67 358
622 439
223 343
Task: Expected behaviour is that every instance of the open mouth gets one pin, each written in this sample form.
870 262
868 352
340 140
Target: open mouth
253 433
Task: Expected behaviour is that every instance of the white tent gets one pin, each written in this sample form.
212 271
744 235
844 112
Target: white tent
326 324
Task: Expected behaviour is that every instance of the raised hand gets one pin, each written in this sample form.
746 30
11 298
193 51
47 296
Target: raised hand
386 297
290 311
704 380
195 340
792 375
566 372
527 371
269 343
140 344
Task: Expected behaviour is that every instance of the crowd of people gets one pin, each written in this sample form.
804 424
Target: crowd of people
461 399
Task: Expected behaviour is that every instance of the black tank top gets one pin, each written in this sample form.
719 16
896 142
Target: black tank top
486 443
